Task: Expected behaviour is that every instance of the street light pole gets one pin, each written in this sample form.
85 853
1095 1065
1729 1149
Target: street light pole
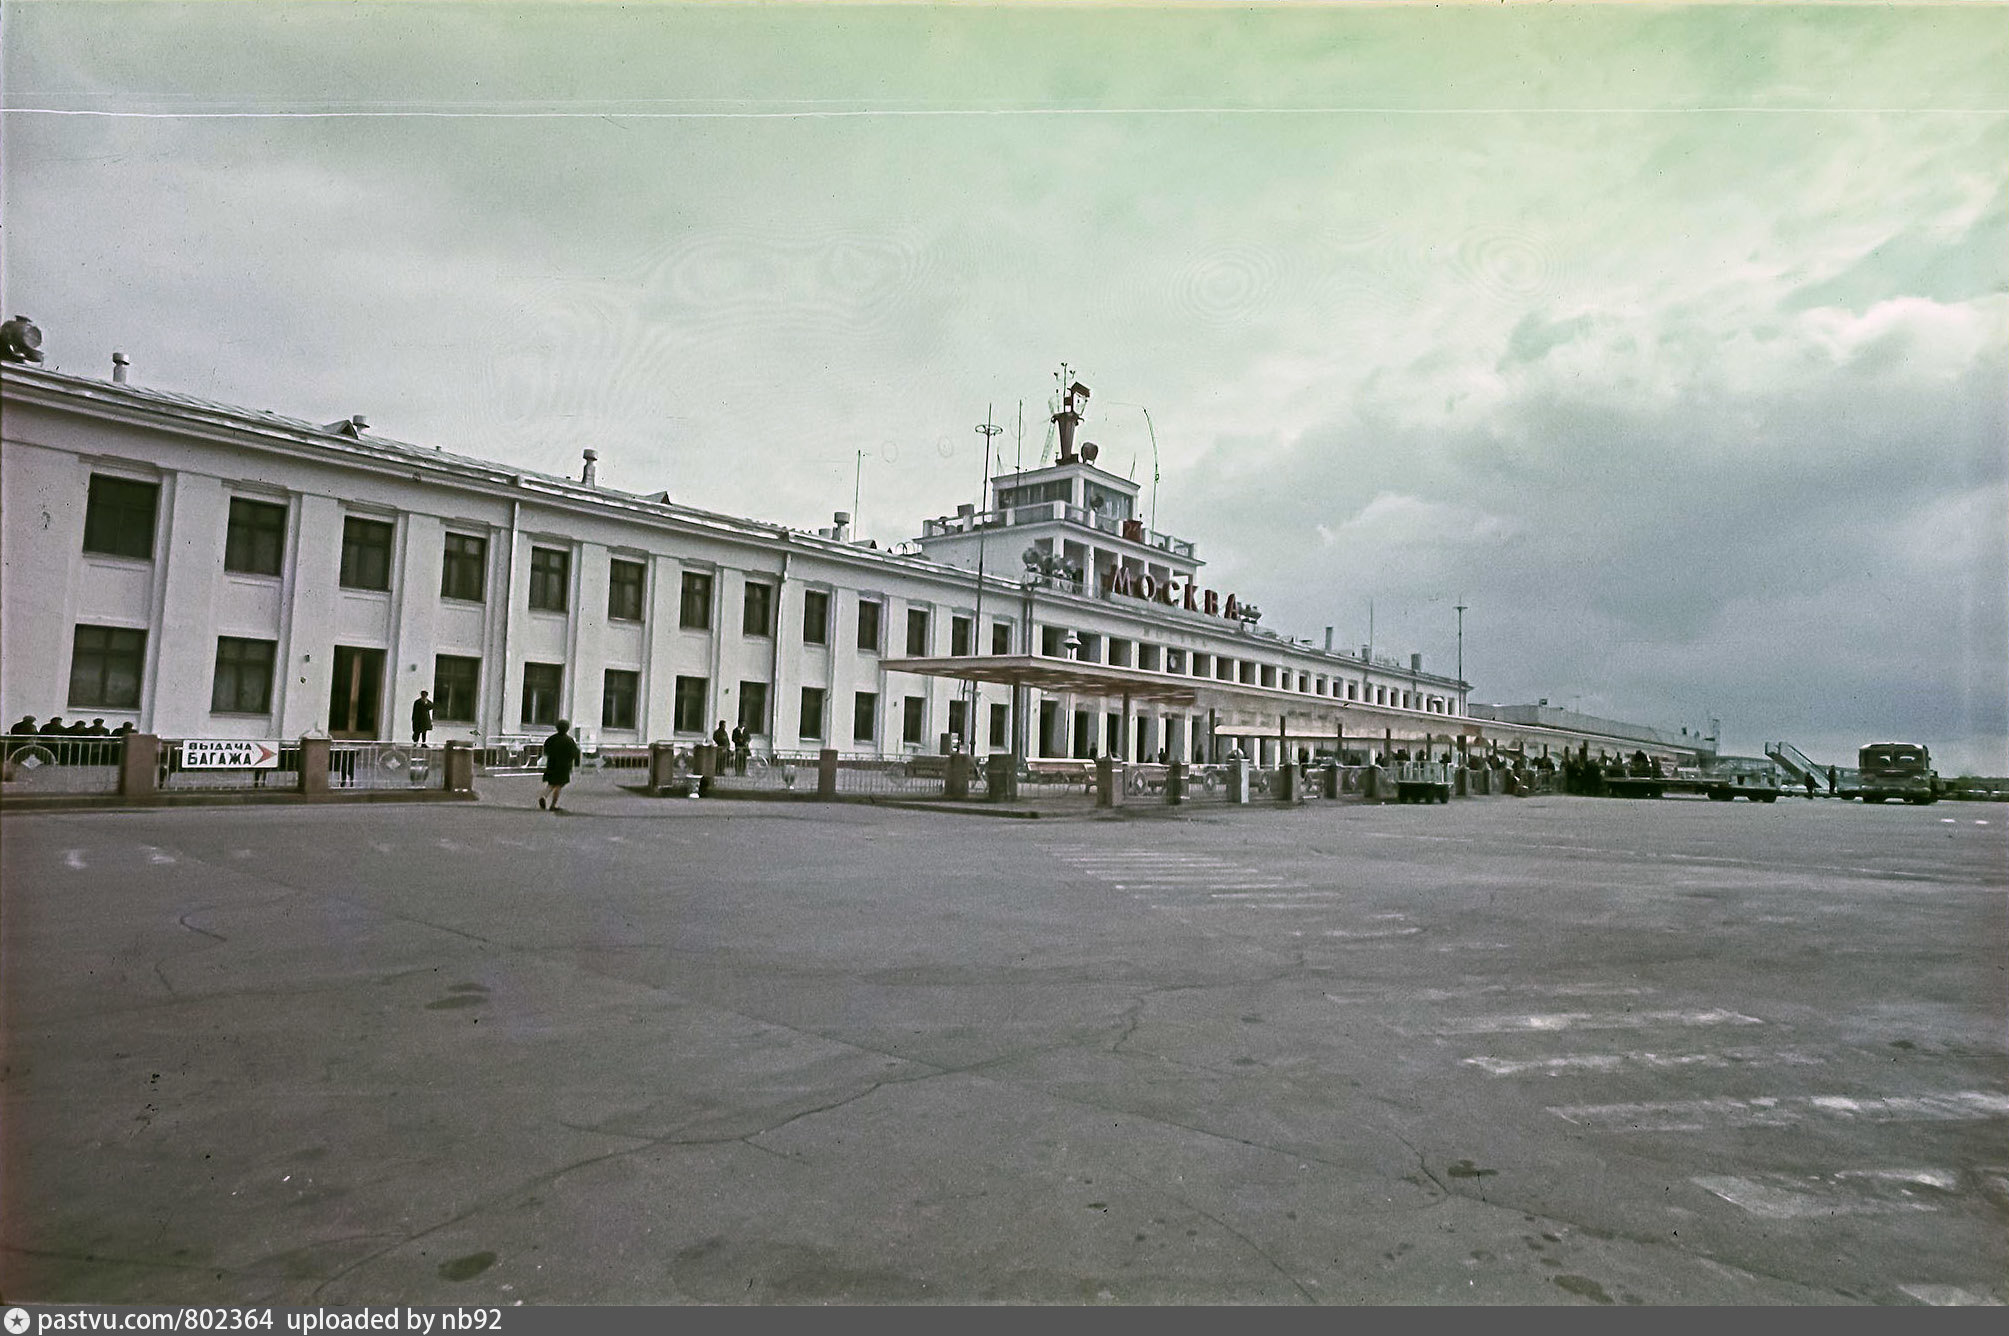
1461 644
989 431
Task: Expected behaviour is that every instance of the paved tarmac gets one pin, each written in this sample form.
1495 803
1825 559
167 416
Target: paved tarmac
1522 1051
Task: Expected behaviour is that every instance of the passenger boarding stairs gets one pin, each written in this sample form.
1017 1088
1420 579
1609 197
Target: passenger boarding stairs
1798 765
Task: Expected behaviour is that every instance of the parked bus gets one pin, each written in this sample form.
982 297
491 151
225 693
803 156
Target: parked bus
1889 770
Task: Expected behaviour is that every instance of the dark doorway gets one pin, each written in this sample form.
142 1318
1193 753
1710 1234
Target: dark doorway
356 693
1049 728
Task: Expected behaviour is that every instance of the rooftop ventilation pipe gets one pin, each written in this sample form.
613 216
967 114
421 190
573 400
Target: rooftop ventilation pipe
590 475
1328 640
119 364
1416 663
350 426
842 530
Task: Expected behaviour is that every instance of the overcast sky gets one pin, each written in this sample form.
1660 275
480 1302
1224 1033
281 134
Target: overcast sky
1671 341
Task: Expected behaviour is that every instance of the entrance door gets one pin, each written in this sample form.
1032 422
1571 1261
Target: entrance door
357 692
1049 729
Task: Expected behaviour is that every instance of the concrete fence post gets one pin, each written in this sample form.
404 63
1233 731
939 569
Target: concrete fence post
957 785
459 767
1001 778
314 766
1290 785
1175 783
826 774
139 764
1108 782
1331 780
1238 779
662 767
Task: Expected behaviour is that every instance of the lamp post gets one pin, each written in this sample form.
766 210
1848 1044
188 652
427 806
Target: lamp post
1461 645
989 431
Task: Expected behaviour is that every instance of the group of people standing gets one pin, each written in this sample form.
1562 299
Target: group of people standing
736 746
26 730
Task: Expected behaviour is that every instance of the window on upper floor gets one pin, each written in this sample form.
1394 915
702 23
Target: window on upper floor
119 517
366 554
627 585
917 633
815 619
868 626
694 612
550 579
255 542
464 570
757 610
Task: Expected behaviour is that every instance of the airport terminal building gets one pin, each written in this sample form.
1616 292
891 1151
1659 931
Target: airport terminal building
203 570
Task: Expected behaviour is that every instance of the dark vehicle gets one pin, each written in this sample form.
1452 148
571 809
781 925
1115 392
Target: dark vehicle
1889 770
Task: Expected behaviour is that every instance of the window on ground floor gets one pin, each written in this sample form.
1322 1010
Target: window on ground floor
865 716
618 694
106 664
689 704
455 681
913 718
541 685
753 708
243 680
812 715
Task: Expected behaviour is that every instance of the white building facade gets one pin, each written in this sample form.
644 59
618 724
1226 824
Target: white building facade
201 570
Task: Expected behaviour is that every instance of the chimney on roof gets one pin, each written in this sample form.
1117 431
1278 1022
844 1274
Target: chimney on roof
1416 663
842 530
1328 640
590 475
119 364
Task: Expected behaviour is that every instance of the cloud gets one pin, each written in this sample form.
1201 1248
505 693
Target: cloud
1616 325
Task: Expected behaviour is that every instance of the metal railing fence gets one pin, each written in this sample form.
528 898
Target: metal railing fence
767 772
171 776
62 763
898 776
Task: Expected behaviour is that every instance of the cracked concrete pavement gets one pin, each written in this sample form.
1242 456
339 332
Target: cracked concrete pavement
1551 1050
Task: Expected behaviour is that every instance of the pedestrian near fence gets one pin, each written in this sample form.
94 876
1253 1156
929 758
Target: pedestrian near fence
421 719
561 753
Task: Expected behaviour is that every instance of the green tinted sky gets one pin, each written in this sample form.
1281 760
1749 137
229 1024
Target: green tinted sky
1670 339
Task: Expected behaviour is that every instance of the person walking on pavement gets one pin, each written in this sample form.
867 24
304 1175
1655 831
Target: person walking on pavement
561 753
421 719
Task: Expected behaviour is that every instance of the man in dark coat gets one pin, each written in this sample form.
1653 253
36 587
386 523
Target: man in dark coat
561 753
421 719
741 747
